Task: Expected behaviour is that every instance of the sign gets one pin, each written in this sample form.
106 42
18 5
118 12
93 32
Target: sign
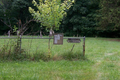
73 40
58 39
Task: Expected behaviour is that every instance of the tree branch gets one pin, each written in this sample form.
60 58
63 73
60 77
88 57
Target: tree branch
6 24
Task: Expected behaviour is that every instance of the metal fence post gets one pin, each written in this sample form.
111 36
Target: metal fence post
84 46
20 44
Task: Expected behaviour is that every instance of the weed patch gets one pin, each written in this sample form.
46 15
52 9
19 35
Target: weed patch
11 51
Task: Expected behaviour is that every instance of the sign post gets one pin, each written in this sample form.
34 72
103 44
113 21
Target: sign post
84 46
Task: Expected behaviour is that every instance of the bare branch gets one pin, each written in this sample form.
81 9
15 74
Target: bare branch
6 24
24 31
27 22
24 27
9 22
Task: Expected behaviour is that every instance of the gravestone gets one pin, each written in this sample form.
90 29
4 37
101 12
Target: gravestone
9 33
18 32
58 39
41 34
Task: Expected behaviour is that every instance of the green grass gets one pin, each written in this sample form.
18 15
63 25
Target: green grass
102 62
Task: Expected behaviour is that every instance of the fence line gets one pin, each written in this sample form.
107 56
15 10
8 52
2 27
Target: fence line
40 38
46 38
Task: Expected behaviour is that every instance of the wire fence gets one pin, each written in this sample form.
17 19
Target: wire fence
41 43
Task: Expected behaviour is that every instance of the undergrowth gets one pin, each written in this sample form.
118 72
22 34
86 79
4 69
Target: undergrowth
12 51
12 54
42 56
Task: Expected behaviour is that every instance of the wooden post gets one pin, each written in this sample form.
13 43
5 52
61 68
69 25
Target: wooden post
72 47
84 46
50 36
20 44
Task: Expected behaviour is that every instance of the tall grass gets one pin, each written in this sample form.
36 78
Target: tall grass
37 49
11 50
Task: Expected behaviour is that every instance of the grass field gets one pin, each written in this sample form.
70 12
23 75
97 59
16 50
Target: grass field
102 62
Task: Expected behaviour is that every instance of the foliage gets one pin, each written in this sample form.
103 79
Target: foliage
5 11
11 51
109 15
81 19
50 13
15 12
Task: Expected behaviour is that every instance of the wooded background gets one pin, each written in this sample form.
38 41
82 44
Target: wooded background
89 18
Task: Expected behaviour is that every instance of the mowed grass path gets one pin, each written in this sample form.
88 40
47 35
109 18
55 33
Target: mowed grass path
102 63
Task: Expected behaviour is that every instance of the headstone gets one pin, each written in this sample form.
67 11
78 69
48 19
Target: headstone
41 34
18 32
9 33
58 39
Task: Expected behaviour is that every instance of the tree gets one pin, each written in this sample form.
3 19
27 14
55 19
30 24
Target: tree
50 12
5 11
109 15
15 12
21 14
80 19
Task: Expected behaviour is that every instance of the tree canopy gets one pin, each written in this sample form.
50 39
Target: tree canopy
84 17
15 12
50 13
81 18
109 14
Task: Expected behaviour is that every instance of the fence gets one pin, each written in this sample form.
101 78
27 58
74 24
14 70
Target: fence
21 38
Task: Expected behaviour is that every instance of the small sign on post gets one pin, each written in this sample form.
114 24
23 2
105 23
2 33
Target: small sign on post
58 39
73 40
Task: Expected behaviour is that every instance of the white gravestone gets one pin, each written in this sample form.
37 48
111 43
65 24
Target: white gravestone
58 39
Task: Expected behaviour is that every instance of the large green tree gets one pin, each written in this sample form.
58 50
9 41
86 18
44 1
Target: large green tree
5 11
15 12
81 18
109 14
